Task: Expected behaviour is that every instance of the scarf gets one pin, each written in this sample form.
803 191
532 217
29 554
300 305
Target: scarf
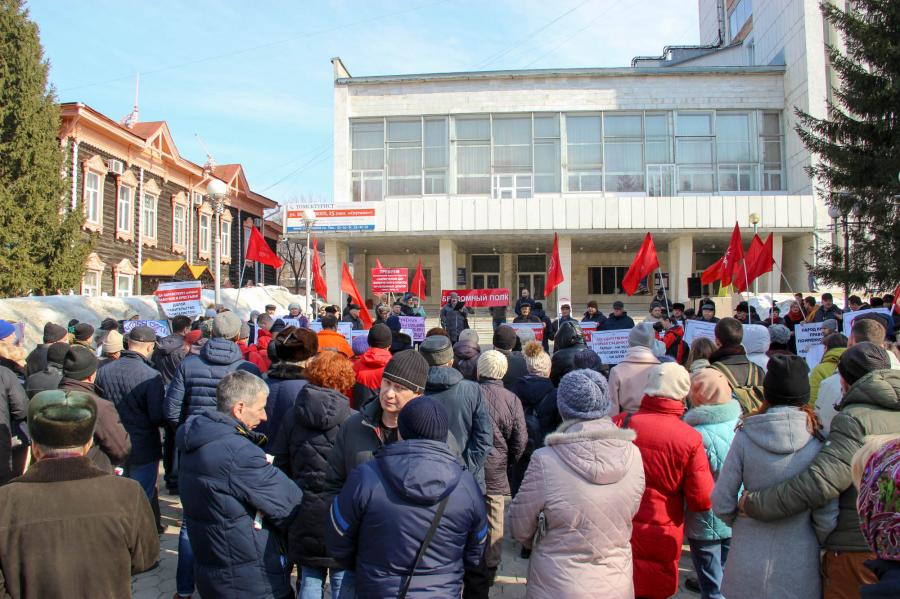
878 502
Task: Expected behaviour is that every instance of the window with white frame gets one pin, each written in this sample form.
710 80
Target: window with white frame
546 153
93 189
404 158
584 145
736 151
771 139
623 146
695 151
150 212
124 285
512 168
226 239
367 160
124 209
90 283
203 238
473 155
436 157
179 224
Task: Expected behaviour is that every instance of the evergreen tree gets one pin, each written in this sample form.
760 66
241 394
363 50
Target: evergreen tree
858 145
42 248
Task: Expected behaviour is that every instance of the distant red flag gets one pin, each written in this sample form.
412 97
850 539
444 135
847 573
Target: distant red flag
644 263
733 256
417 287
378 263
744 273
554 271
348 285
259 251
318 280
897 300
713 272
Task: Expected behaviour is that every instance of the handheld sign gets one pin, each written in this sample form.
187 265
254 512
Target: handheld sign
415 324
849 317
699 328
161 327
807 336
610 345
180 298
537 327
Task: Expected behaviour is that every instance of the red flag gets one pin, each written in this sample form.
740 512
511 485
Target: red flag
712 272
417 287
744 273
897 300
733 256
259 251
318 280
348 285
554 271
378 263
644 263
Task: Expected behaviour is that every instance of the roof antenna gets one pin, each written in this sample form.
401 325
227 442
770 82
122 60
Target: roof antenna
135 114
210 161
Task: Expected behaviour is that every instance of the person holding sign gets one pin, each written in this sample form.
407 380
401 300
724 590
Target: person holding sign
525 315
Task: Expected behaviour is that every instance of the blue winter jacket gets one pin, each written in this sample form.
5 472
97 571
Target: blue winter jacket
193 389
137 390
716 424
381 516
225 480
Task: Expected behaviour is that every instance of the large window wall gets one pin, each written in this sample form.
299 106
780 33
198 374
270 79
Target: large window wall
656 153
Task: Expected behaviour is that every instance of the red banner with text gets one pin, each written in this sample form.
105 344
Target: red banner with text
478 298
390 280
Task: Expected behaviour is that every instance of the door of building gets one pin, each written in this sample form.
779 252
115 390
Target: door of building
486 271
532 274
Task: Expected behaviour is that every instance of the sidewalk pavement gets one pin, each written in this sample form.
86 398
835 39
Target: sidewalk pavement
160 582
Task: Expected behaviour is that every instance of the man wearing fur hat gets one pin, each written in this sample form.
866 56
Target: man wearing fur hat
65 505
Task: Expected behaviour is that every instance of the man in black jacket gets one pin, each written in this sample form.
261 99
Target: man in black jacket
37 359
504 341
171 350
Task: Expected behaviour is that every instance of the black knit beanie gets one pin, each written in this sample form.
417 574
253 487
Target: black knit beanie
79 363
409 369
423 418
505 337
379 336
53 332
860 360
787 381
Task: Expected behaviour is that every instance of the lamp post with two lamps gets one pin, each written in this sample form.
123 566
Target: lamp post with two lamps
218 191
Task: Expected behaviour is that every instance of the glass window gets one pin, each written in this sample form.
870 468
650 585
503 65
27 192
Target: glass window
149 216
624 150
660 180
367 186
367 143
473 155
695 179
436 157
606 280
204 233
694 124
226 239
584 147
771 140
123 209
513 186
741 12
512 144
178 224
486 263
734 140
622 125
90 284
546 153
738 177
92 192
658 138
124 285
404 158
531 263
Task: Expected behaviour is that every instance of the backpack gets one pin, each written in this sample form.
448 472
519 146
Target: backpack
750 394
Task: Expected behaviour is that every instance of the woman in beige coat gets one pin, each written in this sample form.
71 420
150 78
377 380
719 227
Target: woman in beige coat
628 378
578 499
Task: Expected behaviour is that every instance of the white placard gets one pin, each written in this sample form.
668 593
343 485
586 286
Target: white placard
699 328
537 327
610 345
849 317
807 335
180 298
161 327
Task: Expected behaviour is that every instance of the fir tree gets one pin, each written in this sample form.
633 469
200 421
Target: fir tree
42 248
858 145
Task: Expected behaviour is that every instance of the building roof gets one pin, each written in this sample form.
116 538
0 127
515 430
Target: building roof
161 268
561 73
198 269
226 172
146 130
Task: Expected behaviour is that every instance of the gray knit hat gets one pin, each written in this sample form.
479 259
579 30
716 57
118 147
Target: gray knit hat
641 336
226 325
778 333
437 350
583 395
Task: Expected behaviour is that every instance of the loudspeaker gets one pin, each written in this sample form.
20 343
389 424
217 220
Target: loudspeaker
694 287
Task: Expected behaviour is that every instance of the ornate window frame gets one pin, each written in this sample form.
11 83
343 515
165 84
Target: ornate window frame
205 210
180 200
127 181
94 265
151 194
226 221
94 165
124 268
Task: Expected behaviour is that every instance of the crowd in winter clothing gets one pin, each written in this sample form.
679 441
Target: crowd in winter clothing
383 468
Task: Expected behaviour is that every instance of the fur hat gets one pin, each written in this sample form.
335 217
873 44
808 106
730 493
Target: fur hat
669 380
583 394
62 418
492 365
504 337
294 344
536 359
709 387
469 335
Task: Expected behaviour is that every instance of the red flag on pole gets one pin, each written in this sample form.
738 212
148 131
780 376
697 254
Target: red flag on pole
644 263
713 272
554 271
318 280
417 287
897 300
348 285
259 251
731 262
378 263
745 272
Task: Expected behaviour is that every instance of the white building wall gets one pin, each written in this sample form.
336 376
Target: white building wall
709 21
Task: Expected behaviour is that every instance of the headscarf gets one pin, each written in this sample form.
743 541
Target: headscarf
878 502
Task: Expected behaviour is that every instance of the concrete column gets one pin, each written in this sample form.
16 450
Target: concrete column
506 274
564 291
681 257
447 249
335 256
771 281
796 254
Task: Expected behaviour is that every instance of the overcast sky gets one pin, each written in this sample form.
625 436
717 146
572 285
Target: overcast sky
253 79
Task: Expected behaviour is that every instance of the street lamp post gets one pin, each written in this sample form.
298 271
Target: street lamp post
217 190
835 213
754 220
309 219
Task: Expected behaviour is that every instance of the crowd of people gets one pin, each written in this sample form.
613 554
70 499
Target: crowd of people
383 467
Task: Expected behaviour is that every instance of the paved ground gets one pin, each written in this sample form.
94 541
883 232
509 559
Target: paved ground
160 583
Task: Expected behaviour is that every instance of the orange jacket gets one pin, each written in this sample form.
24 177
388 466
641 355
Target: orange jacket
335 341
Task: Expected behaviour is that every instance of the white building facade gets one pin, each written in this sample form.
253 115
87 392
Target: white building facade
474 172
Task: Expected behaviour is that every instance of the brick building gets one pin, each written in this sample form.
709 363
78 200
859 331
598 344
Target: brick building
146 207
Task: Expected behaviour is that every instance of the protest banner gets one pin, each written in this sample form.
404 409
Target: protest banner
416 324
588 328
849 317
699 328
807 335
180 298
294 322
610 345
478 298
390 280
160 326
313 326
357 333
346 329
537 327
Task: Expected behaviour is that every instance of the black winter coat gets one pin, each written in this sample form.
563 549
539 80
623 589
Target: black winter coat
301 450
383 512
523 302
44 380
454 320
510 434
193 390
553 329
465 359
13 411
516 368
531 390
618 323
599 318
224 480
285 382
37 359
470 423
357 439
569 341
169 353
137 391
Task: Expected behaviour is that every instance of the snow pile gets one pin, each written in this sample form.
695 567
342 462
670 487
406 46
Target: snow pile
37 310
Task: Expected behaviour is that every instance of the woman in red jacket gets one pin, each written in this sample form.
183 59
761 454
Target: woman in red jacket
676 471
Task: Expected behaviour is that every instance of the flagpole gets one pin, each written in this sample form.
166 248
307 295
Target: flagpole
786 282
662 283
747 283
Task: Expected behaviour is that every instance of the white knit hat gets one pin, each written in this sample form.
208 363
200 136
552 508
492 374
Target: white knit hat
536 359
669 380
492 365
